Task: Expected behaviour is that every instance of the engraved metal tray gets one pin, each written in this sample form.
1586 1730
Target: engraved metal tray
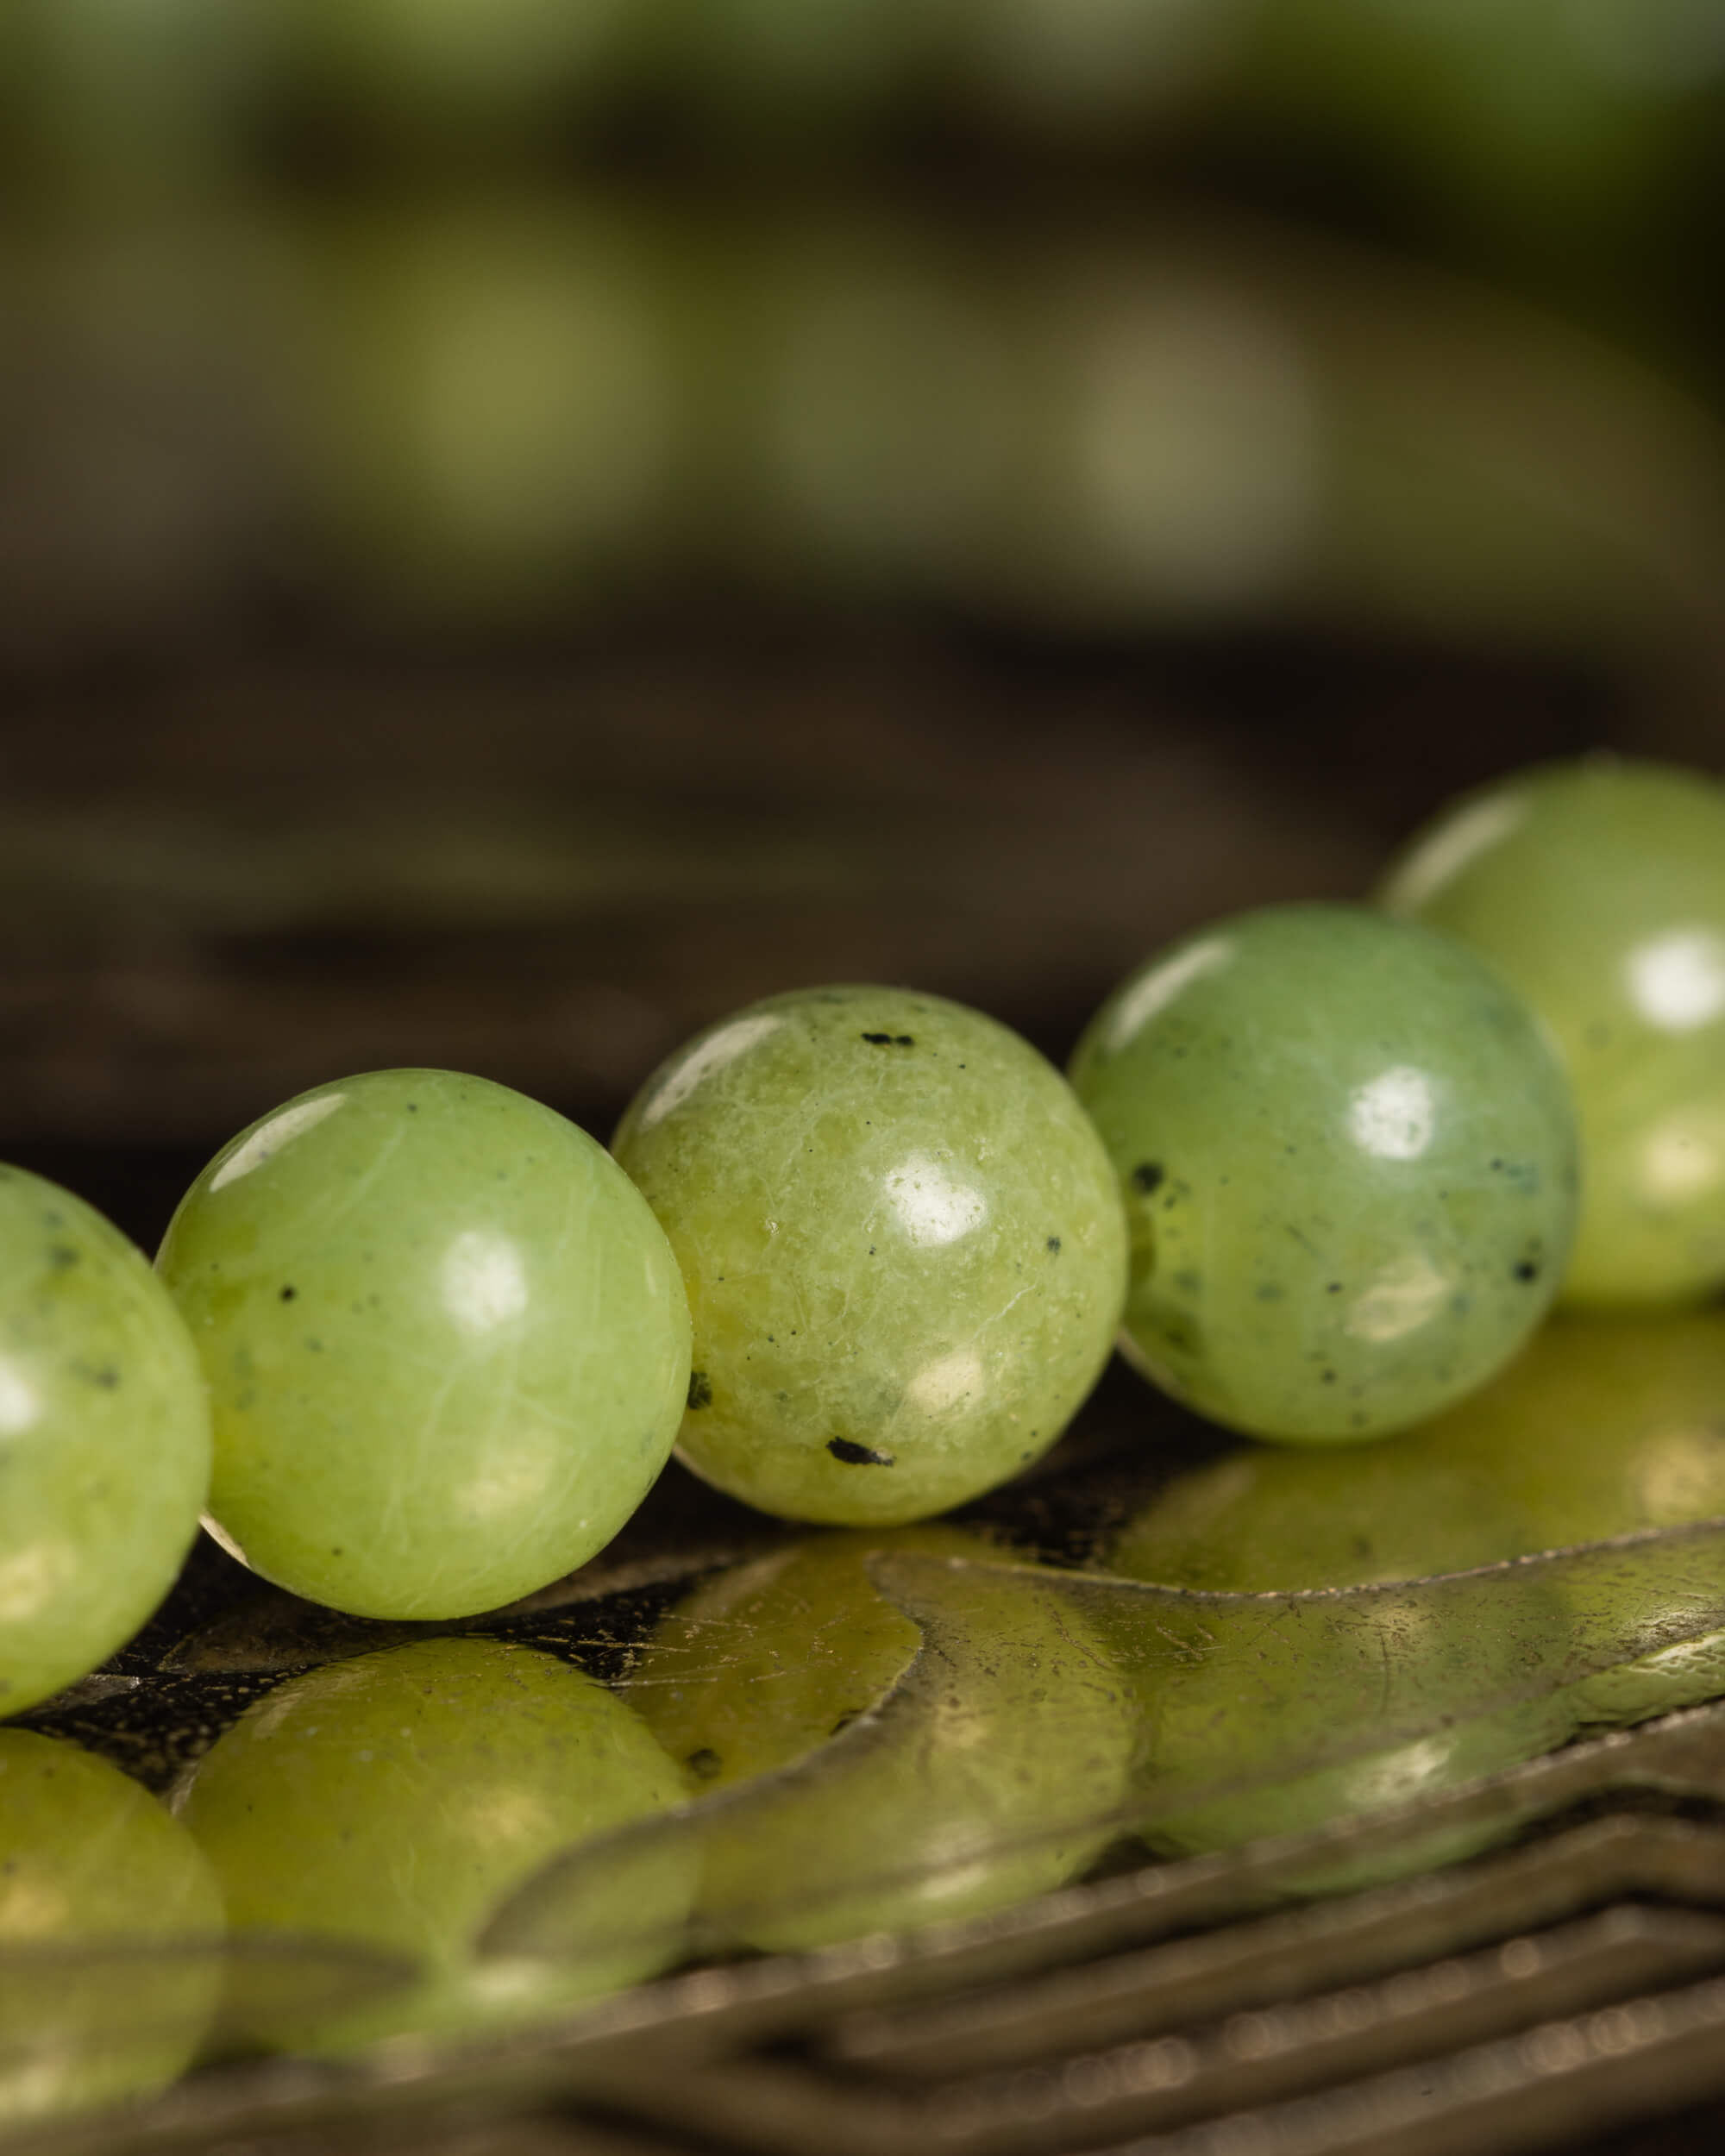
1564 1979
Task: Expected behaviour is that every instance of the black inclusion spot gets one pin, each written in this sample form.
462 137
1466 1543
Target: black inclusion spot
878 1040
703 1763
1053 1245
700 1389
842 1723
1329 1377
1526 1269
413 1107
904 1040
1335 1288
288 1293
62 1255
1148 1176
855 1455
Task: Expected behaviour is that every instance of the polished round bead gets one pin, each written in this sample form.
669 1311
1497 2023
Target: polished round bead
94 1874
1597 889
1349 1161
104 1439
446 1343
903 1246
391 1801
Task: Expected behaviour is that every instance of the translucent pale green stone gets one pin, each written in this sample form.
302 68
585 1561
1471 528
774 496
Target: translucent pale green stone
104 1439
1348 1156
1597 889
392 1800
902 1244
94 1873
445 1344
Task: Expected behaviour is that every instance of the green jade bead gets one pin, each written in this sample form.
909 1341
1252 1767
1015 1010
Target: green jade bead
104 1439
1597 890
94 1873
446 1343
1349 1161
903 1247
392 1800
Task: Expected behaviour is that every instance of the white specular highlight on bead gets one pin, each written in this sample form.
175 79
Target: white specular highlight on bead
1141 1003
1400 1300
19 1405
484 1281
30 1579
1679 1159
1394 1114
724 1047
932 1204
267 1140
1472 832
1678 981
946 1383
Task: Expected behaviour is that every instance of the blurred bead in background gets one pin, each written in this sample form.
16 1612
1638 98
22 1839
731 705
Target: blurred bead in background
524 528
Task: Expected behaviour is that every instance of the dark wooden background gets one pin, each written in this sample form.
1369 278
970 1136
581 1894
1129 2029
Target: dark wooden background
226 878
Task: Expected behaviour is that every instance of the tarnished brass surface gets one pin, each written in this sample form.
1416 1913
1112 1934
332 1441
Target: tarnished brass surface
1572 1981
